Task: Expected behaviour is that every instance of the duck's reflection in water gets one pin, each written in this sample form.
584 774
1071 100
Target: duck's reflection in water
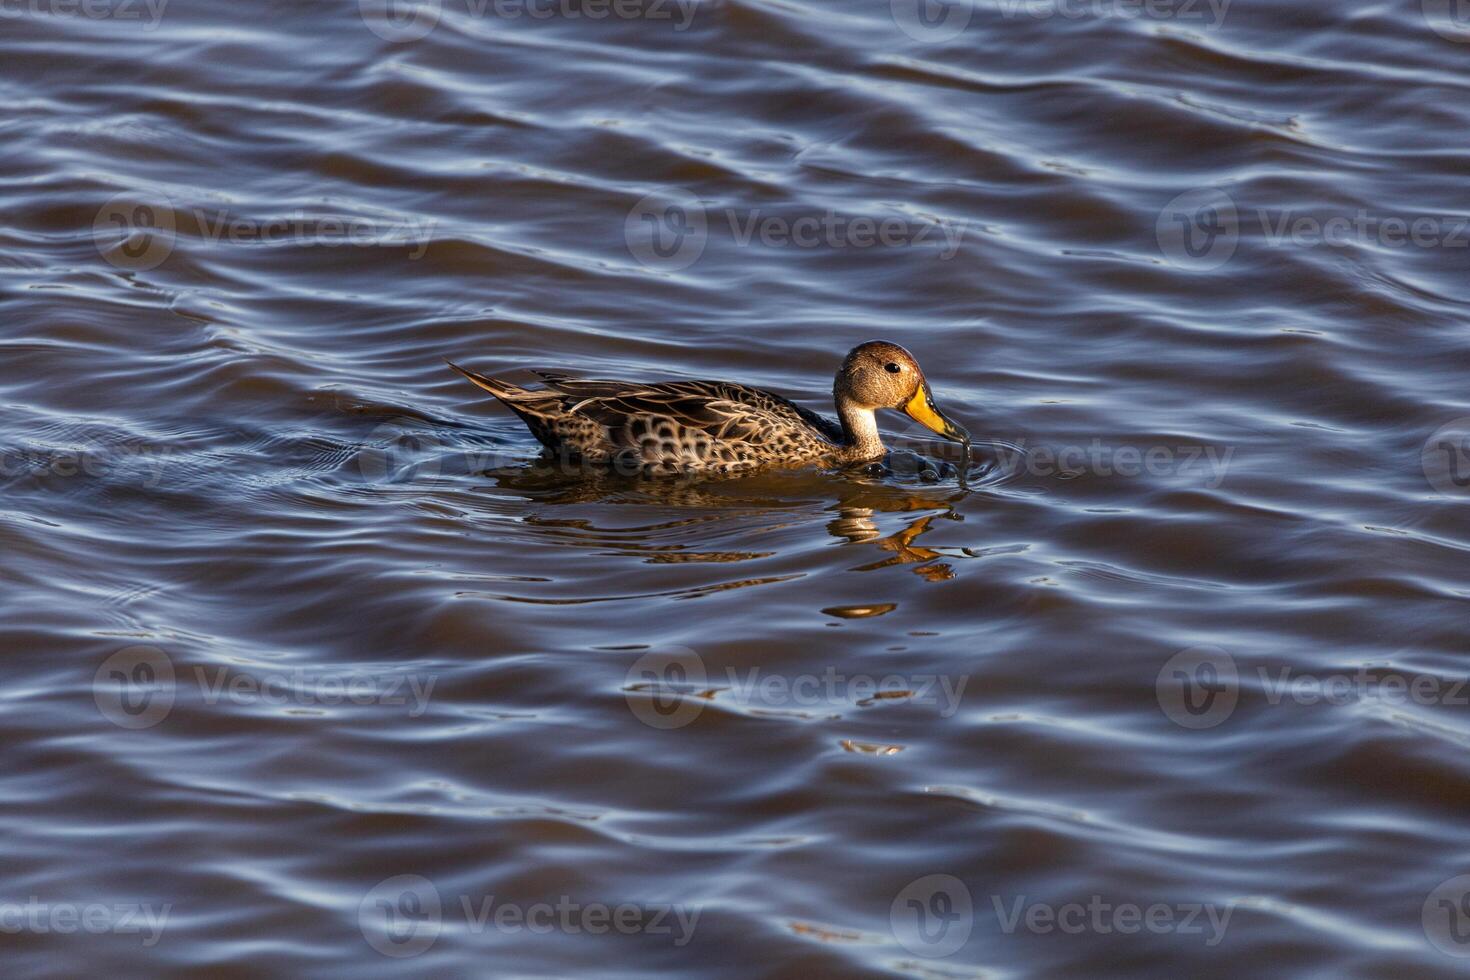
856 524
749 509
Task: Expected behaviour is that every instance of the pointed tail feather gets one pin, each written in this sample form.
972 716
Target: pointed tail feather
503 390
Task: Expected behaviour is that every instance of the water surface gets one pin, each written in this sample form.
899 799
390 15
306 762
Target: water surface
307 659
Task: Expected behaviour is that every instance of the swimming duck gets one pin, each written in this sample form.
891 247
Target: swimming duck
722 427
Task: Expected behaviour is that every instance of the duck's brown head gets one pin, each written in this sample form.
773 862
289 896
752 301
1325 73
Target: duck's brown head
880 374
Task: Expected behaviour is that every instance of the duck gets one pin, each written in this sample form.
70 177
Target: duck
722 427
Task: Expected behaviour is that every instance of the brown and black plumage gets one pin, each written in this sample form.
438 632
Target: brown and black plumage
721 427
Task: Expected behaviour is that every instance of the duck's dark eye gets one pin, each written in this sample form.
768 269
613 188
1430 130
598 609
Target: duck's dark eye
892 368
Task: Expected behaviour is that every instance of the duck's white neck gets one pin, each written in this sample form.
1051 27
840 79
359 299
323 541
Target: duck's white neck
860 431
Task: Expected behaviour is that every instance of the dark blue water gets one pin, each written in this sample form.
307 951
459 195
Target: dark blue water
310 671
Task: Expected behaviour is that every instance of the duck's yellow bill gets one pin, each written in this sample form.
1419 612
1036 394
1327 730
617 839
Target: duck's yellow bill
921 409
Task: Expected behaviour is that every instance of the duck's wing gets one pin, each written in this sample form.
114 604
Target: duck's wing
727 410
767 402
577 387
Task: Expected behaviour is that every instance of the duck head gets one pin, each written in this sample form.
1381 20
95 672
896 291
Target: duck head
879 375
